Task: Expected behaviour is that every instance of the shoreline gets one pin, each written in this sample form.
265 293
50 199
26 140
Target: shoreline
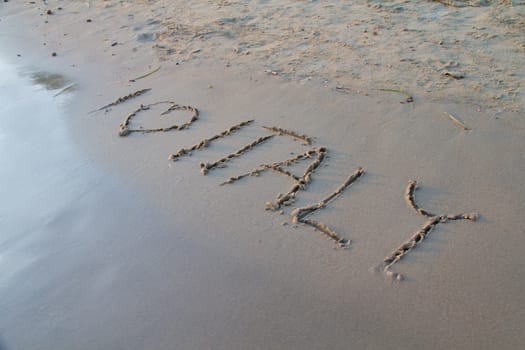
223 272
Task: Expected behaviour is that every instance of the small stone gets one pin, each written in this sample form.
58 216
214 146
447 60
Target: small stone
88 20
454 74
54 54
146 37
49 12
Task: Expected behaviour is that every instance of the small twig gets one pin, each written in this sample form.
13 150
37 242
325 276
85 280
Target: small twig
456 121
145 75
64 89
409 99
347 89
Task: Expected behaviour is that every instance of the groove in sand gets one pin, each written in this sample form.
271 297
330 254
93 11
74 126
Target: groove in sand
421 234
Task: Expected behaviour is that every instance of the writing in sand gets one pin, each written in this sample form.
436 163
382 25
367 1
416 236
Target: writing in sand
315 156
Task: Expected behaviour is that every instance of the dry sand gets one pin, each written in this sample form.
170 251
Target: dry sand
218 271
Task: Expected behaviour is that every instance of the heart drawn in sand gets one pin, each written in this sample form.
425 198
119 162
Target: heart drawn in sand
125 129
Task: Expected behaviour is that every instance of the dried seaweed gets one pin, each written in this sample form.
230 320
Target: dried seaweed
409 99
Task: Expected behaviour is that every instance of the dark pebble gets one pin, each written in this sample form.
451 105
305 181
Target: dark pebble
49 12
54 54
88 20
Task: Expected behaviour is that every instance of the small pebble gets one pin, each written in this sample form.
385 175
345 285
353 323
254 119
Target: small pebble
88 20
54 54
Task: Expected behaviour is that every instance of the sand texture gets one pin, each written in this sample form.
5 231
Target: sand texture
267 175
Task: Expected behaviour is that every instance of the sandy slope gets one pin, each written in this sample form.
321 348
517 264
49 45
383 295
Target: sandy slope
227 274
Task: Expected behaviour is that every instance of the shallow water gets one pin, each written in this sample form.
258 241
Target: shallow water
61 219
36 151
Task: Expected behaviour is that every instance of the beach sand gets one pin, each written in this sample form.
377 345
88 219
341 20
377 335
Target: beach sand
164 257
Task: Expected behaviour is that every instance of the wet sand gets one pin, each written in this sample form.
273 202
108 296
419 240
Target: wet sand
183 262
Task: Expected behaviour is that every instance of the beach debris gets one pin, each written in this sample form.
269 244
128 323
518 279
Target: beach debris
409 97
456 121
299 214
271 72
346 89
453 74
432 221
122 99
206 167
65 89
124 129
343 88
464 3
144 75
50 81
206 142
146 37
280 131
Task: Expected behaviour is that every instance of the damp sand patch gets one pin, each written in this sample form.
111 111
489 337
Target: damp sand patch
50 81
